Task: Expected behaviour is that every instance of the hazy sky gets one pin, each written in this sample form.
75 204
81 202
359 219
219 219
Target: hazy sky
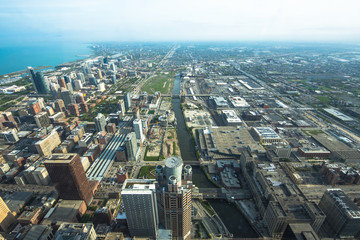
124 20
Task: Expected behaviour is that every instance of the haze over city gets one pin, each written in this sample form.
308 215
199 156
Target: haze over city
159 20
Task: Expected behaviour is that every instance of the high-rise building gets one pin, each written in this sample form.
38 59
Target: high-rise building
81 77
39 82
62 82
139 198
93 80
101 87
42 120
46 145
113 78
342 214
7 219
127 101
77 85
131 147
67 97
68 175
174 197
67 78
35 108
79 98
54 89
74 109
10 136
84 107
138 130
122 106
8 116
100 122
60 105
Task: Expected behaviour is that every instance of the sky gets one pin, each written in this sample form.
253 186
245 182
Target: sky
34 21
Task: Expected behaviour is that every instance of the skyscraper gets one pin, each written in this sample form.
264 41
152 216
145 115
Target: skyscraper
68 176
127 101
74 109
59 105
174 197
100 122
66 96
38 81
81 77
138 129
139 198
7 219
131 147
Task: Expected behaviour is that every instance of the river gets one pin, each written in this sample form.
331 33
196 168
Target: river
229 214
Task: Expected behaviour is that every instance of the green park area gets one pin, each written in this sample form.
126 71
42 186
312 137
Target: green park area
147 172
162 83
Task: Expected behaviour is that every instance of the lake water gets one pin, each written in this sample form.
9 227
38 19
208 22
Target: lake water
16 58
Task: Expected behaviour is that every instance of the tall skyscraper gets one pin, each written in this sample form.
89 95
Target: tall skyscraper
341 212
174 196
127 101
139 198
62 82
138 130
7 219
67 97
79 98
131 147
81 77
100 122
67 173
38 81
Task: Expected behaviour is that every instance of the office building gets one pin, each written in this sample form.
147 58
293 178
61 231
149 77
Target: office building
139 198
138 130
7 219
76 231
74 109
38 81
101 87
67 97
77 85
10 136
41 176
81 77
45 146
127 101
174 197
342 214
100 122
121 104
79 98
131 147
8 116
68 176
93 80
84 107
62 82
42 120
67 79
60 105
35 108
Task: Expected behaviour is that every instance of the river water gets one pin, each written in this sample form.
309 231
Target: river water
229 214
